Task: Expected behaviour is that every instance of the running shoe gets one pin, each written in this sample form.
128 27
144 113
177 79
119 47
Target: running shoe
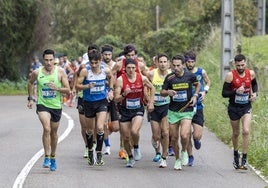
46 163
86 153
244 164
177 165
53 165
163 163
236 161
157 157
90 159
184 158
130 162
99 160
191 161
137 154
197 144
171 151
122 154
107 150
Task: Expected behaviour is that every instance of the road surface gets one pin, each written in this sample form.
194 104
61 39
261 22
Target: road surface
20 136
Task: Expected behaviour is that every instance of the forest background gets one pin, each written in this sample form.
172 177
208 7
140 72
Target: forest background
27 27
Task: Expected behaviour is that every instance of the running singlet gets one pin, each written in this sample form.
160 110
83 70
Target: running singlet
123 68
241 99
134 99
200 79
98 92
46 96
157 83
183 86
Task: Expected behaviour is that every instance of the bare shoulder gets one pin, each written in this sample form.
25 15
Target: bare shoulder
229 77
252 74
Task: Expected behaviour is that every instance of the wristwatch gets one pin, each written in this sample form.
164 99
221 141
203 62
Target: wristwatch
30 98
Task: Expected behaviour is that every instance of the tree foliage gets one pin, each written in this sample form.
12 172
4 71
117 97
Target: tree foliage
70 26
17 19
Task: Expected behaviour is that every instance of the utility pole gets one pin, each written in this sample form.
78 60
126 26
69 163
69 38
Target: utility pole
227 36
261 17
157 17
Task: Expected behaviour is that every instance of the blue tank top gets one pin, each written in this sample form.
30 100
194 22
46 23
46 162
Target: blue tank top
98 92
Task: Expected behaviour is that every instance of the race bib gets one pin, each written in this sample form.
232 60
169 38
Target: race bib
159 99
241 98
133 103
181 96
97 90
48 93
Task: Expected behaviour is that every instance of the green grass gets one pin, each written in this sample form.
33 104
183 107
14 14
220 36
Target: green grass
215 111
13 88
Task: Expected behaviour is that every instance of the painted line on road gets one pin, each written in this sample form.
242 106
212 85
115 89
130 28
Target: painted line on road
25 171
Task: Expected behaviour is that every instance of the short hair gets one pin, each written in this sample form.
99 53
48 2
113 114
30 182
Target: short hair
239 57
190 55
93 47
94 55
161 55
130 61
178 57
129 48
48 51
106 48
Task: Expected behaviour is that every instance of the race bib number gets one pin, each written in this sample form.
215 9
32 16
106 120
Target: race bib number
48 93
97 90
133 103
181 96
159 99
241 98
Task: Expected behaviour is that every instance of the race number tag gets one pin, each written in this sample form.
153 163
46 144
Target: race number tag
48 93
181 96
241 98
159 99
97 89
133 103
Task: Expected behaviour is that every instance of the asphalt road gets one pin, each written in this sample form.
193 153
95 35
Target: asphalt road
20 140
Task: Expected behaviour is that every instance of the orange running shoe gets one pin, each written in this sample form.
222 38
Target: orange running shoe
122 154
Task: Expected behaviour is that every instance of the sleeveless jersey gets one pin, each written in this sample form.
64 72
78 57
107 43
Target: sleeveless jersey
134 99
157 83
98 92
123 68
46 96
200 78
241 99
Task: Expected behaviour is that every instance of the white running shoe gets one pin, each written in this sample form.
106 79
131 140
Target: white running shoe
163 163
107 150
137 154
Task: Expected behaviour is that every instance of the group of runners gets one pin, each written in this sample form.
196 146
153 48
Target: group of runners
115 95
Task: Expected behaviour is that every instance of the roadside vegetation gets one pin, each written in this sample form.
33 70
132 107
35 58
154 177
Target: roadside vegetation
71 25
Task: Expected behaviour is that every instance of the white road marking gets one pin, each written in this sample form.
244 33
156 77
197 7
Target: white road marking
25 171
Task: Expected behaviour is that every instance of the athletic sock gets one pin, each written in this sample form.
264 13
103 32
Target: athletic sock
89 140
107 142
100 137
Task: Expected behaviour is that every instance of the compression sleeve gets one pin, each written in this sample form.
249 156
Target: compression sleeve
254 85
227 91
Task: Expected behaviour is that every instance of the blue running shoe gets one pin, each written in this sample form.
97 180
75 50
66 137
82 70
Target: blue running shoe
197 144
46 163
157 157
191 160
171 151
53 165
